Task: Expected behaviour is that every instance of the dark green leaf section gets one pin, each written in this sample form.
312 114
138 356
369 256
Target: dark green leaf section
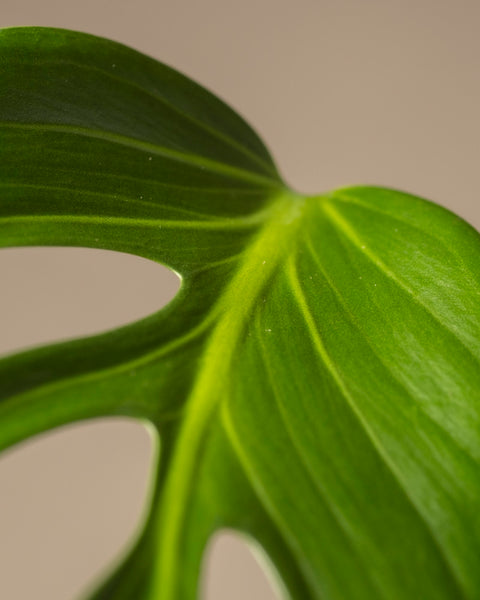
62 80
104 147
314 384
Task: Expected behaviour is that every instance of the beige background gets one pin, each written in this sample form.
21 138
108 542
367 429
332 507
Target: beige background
358 91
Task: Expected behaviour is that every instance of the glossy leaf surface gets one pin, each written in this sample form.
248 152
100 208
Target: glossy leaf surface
314 384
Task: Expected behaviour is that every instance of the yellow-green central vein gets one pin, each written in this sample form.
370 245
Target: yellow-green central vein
254 272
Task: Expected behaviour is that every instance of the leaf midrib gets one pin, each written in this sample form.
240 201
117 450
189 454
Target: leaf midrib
265 253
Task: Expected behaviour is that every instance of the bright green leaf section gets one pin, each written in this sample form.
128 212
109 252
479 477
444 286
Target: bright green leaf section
315 384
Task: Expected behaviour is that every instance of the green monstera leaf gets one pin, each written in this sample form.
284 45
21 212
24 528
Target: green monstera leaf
315 383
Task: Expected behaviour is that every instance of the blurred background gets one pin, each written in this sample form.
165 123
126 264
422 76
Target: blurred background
343 92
